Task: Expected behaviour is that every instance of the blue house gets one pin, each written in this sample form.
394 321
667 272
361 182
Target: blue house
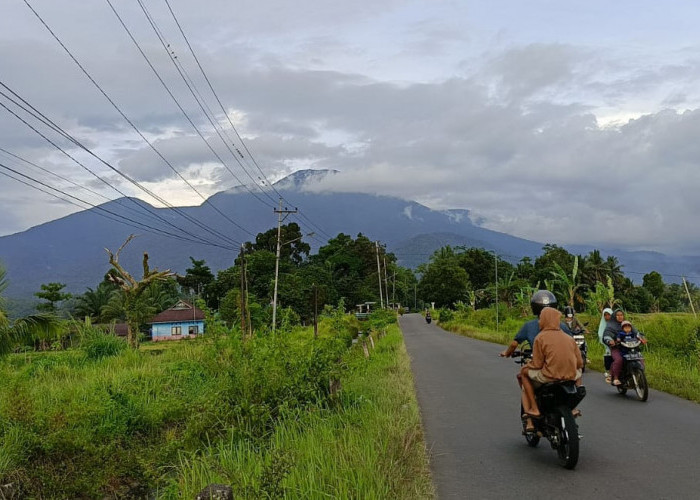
182 321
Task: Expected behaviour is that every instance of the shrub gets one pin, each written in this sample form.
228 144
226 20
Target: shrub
97 344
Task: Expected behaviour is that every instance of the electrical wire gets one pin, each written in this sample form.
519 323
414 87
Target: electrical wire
233 127
177 103
49 123
112 215
118 109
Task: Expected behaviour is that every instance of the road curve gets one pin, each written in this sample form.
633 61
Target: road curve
469 402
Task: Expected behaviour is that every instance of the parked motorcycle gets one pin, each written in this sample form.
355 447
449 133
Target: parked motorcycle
633 376
556 402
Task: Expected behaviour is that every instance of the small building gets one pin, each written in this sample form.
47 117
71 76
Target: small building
182 321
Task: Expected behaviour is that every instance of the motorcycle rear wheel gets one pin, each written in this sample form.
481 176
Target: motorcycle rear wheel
641 388
567 434
621 389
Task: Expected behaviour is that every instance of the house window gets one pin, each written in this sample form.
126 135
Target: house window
194 330
176 330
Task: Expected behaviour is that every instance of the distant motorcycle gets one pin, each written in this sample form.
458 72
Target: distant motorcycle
556 402
583 347
633 376
428 319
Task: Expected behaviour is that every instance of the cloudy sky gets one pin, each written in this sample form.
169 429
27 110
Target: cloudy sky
571 122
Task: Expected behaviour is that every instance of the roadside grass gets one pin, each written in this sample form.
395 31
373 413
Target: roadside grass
102 421
672 355
367 443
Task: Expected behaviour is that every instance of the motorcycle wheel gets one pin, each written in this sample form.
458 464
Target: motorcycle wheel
641 388
567 434
585 360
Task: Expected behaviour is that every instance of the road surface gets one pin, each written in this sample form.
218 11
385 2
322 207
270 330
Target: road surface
469 402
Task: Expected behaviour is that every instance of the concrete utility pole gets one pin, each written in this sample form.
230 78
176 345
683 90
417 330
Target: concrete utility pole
379 274
690 299
386 284
242 309
281 216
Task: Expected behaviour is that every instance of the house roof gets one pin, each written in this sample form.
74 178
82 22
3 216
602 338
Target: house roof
182 311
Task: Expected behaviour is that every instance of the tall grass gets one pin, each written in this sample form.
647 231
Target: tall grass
101 421
367 444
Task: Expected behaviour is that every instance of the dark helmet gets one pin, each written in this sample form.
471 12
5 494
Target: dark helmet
541 299
569 310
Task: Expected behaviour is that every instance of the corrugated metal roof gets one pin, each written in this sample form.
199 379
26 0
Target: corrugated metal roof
182 311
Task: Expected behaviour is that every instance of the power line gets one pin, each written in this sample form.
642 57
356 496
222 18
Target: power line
116 107
228 118
177 103
49 123
114 216
198 97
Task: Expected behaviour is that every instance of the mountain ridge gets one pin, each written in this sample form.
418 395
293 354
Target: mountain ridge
71 249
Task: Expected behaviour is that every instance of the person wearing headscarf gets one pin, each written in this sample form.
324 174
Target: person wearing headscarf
607 359
613 327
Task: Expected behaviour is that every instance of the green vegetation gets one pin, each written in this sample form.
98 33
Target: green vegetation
262 415
672 355
586 282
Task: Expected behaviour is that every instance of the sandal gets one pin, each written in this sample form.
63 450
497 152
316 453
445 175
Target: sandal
576 413
616 382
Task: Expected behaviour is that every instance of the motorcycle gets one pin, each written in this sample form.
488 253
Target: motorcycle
580 339
428 319
583 347
556 402
633 376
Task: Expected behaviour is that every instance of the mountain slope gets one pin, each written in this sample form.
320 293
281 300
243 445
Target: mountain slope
71 249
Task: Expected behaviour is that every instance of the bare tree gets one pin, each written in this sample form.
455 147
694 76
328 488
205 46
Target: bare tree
133 289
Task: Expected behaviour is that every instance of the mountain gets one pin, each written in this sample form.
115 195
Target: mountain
71 250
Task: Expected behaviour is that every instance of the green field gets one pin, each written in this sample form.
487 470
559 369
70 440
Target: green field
166 420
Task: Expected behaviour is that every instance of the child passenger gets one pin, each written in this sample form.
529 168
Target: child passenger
627 334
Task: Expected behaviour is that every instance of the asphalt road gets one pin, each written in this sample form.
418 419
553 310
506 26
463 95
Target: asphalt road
470 405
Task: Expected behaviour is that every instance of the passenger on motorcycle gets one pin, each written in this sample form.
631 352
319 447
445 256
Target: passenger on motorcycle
607 359
555 358
528 332
613 327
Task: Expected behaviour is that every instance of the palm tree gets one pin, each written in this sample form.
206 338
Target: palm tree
38 329
614 270
90 304
594 269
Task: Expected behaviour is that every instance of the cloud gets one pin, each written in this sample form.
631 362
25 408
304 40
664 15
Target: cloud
517 135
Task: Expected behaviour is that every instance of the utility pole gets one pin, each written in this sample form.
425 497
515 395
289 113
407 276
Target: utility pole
495 257
281 216
393 288
386 284
242 308
690 299
379 275
315 311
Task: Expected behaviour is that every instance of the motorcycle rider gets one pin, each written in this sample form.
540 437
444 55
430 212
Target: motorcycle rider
613 327
539 300
555 358
572 321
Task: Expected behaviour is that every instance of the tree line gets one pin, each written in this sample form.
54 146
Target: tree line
586 282
346 269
